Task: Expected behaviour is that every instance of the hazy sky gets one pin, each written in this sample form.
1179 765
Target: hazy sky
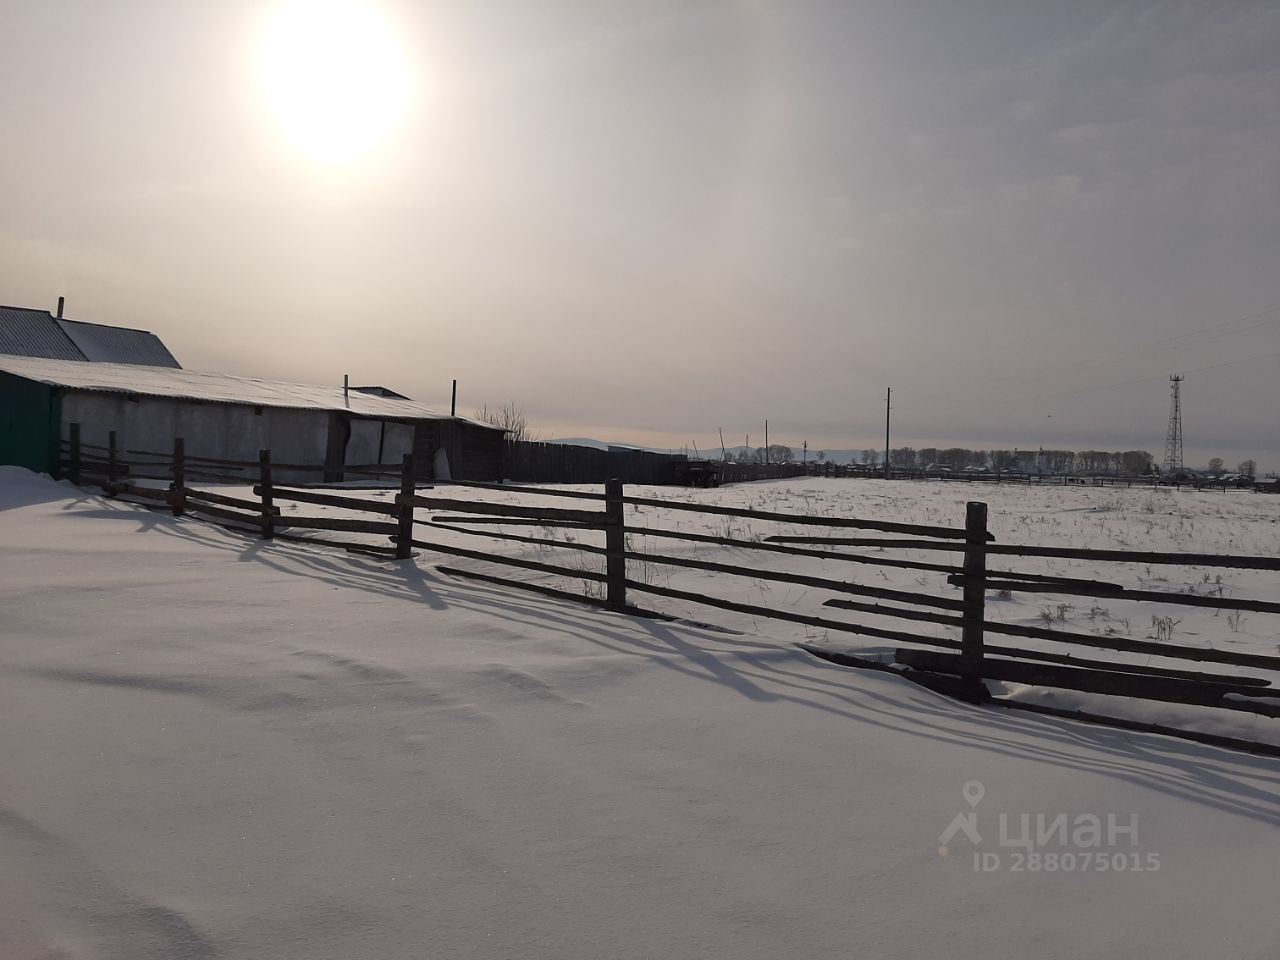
646 220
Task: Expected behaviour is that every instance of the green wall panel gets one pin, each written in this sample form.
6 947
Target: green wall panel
29 424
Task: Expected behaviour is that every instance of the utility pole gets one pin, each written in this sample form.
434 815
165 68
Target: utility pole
804 457
453 402
766 441
888 397
723 456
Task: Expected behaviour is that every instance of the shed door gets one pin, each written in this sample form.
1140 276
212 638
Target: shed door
29 420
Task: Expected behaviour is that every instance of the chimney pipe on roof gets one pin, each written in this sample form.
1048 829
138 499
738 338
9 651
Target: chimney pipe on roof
346 381
61 301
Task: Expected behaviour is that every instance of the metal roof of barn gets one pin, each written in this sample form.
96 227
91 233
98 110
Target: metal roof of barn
35 333
176 383
38 333
102 344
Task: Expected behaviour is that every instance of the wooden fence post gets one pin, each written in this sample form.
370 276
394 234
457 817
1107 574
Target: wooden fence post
268 504
404 532
75 453
615 541
975 594
179 485
111 457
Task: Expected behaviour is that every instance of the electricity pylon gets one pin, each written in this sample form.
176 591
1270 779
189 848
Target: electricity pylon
1173 440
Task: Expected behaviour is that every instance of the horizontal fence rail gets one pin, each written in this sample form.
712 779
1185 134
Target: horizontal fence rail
607 536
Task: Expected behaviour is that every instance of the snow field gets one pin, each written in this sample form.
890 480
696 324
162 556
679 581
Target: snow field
219 747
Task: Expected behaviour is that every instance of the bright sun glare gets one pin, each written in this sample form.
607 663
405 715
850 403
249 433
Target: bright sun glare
334 76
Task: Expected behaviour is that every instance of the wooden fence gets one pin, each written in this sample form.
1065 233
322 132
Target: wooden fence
534 462
958 667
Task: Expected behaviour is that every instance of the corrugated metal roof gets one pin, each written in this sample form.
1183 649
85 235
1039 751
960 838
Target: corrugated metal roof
103 344
176 383
35 333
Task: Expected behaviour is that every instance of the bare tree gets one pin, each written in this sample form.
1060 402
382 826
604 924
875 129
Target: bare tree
510 417
904 457
1247 468
1215 464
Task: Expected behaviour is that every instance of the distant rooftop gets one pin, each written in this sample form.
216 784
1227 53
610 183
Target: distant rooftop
38 333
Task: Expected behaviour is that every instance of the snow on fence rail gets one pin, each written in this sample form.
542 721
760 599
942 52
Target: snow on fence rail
960 670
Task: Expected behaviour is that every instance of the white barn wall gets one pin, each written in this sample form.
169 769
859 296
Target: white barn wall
228 431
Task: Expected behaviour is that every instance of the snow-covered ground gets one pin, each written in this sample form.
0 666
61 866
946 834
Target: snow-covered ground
219 747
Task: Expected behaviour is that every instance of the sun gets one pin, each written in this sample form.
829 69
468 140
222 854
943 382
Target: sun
333 76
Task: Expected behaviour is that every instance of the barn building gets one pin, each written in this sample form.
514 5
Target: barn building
55 372
230 417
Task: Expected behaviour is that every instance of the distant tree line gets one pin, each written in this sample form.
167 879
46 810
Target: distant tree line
1127 463
774 453
1123 463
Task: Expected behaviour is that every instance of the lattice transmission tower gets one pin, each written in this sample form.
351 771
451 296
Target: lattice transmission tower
1173 440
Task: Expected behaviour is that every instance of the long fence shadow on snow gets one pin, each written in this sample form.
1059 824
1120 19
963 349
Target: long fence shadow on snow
769 672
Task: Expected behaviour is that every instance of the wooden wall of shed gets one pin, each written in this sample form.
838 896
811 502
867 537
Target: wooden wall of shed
475 453
533 462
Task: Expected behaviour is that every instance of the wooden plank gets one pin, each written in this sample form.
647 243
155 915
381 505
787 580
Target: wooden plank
1071 553
1110 642
975 597
616 544
902 613
1045 656
523 585
520 538
179 485
514 522
790 551
802 519
595 517
512 488
510 561
1138 556
925 679
1257 747
336 523
1165 689
145 493
350 547
222 499
1105 592
329 500
267 509
191 458
132 475
404 509
877 542
1259 684
821 583
1128 645
67 444
758 611
209 476
208 509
